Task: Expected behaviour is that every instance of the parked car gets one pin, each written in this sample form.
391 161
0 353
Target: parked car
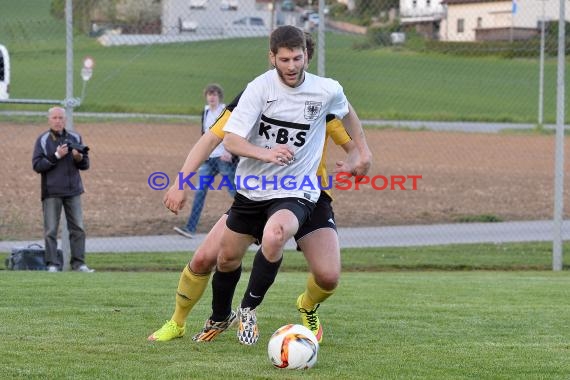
4 73
187 25
198 4
249 21
229 5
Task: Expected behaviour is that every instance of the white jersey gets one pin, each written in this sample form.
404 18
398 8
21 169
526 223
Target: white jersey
271 113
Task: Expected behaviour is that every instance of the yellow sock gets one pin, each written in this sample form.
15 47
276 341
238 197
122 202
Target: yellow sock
314 294
190 288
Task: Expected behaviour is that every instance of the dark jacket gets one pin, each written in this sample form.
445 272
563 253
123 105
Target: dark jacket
60 178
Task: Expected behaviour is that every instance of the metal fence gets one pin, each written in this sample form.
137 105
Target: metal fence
462 94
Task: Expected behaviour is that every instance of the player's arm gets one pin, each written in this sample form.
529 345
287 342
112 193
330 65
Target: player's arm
175 198
243 119
239 146
361 159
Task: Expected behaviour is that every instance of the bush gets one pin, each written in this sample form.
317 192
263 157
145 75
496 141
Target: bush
506 49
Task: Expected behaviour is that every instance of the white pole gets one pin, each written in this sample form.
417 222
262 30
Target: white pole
559 154
541 71
65 245
321 39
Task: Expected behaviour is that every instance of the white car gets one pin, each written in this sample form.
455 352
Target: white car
198 4
229 5
187 25
4 73
250 22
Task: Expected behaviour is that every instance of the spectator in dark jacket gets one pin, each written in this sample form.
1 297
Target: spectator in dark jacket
59 166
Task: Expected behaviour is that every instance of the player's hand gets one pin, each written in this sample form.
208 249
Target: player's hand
62 150
175 199
76 155
280 155
356 163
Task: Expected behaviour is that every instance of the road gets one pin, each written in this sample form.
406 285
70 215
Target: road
393 236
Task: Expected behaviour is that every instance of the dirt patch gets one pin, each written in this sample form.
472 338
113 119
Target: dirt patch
463 174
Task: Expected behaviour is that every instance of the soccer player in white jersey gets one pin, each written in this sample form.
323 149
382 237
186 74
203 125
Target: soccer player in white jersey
278 128
317 238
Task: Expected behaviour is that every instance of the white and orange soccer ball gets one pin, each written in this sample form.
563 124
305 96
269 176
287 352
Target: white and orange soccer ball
293 347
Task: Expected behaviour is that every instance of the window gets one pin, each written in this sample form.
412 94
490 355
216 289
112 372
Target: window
460 25
479 22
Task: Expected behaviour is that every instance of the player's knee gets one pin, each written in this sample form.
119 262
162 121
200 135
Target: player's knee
327 281
203 261
227 261
274 238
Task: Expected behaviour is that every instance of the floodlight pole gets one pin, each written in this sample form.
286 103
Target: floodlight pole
559 153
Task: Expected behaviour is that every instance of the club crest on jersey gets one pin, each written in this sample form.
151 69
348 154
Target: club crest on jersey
312 110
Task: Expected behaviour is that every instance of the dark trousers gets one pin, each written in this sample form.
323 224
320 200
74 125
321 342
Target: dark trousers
74 216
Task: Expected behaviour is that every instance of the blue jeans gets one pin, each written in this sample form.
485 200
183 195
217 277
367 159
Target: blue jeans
74 216
210 168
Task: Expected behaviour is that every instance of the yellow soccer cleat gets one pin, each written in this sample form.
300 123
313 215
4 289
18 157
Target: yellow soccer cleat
310 319
170 330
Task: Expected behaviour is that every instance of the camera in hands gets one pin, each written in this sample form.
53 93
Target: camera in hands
77 146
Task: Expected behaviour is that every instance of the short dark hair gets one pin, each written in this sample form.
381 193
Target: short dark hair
214 88
287 36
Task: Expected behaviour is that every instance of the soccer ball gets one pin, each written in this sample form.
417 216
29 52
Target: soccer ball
293 347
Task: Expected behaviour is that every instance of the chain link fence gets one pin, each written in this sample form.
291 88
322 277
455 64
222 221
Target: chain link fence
454 91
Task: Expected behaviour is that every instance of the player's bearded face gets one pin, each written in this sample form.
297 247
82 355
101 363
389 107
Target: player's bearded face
290 65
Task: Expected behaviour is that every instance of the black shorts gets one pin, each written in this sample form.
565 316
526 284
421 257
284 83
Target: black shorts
321 217
249 217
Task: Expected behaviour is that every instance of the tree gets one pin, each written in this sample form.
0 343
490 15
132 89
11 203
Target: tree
85 11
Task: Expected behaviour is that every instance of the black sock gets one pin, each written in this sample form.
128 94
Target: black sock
262 276
223 288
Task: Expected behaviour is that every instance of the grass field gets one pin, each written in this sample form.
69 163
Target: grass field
381 83
381 323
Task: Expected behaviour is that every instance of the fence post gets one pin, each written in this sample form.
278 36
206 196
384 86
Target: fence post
69 104
559 153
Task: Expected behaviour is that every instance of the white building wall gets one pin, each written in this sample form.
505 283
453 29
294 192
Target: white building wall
529 12
496 15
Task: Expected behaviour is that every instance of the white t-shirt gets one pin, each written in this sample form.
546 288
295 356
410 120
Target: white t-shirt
209 119
270 113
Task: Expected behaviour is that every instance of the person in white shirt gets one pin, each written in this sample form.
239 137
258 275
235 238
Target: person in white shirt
316 238
220 161
278 130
